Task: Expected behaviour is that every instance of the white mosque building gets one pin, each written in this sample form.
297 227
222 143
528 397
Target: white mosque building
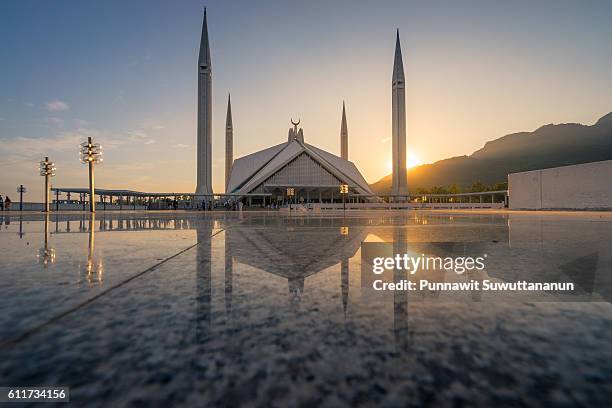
314 174
311 173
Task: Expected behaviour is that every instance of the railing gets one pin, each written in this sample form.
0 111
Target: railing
401 206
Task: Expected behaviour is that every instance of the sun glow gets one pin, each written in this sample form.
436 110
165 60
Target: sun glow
412 160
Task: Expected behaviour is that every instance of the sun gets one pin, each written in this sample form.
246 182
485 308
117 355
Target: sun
412 160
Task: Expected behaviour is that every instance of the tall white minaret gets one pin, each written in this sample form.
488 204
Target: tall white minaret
399 184
229 142
204 176
343 135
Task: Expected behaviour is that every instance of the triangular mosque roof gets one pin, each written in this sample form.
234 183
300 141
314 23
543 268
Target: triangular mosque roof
345 166
250 171
246 166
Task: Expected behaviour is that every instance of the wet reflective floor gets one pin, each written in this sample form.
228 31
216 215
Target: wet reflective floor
262 309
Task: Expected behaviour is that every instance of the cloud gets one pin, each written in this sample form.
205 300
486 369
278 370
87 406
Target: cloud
137 134
385 140
57 106
140 136
79 122
1 118
57 121
181 145
32 147
131 168
65 142
29 104
157 127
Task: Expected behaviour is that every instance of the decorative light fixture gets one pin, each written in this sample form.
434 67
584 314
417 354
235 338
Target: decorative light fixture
91 153
344 189
47 170
290 194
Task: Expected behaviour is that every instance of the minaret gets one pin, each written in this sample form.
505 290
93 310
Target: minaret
229 142
343 135
399 185
204 176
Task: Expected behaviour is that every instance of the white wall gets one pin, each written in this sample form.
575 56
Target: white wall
581 186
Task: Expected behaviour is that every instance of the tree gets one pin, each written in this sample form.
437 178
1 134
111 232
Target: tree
501 185
454 189
478 187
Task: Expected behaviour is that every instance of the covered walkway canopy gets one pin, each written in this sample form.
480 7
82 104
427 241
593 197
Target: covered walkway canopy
149 200
131 193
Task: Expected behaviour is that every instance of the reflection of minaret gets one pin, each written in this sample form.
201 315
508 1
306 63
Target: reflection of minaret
296 287
229 142
477 276
203 278
399 185
400 297
343 135
204 176
229 270
344 283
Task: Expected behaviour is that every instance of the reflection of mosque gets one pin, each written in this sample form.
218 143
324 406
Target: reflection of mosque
278 253
271 244
276 250
584 252
295 257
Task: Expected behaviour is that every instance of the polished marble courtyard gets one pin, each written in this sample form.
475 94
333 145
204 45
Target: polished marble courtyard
266 309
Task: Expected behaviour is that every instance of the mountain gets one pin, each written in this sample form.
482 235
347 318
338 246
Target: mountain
548 146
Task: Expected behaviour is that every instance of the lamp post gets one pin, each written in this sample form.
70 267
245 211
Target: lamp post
47 170
21 189
290 194
91 153
344 191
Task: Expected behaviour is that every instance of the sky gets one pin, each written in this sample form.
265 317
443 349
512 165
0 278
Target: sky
126 74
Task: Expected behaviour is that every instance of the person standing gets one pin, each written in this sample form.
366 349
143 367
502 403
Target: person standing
1 204
7 203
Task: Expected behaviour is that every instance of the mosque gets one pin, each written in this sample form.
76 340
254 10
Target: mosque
293 170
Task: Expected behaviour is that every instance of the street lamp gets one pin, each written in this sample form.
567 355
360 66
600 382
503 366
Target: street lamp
21 189
91 153
47 169
290 194
344 188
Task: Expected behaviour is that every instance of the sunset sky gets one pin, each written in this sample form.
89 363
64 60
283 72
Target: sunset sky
125 73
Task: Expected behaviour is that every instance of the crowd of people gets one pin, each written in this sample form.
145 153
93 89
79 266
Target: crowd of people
5 204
